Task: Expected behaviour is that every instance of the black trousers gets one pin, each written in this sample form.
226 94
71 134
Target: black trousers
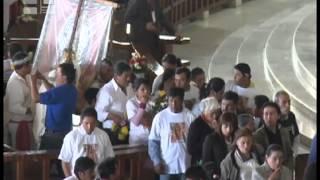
53 141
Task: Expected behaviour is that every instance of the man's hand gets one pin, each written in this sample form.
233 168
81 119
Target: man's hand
178 37
115 118
275 174
159 168
28 112
34 77
150 26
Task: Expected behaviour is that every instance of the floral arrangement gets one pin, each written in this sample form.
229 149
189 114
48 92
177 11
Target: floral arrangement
121 131
160 102
138 63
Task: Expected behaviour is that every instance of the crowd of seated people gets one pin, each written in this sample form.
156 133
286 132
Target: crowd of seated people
227 130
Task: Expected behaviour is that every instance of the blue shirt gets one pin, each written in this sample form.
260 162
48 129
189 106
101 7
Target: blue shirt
313 151
61 104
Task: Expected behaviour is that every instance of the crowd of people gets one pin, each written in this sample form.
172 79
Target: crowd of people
196 130
214 130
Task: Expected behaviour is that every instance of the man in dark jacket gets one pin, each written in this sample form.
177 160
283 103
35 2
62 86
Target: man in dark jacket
147 20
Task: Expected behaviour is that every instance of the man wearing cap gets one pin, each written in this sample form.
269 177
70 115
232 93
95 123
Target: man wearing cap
18 102
242 85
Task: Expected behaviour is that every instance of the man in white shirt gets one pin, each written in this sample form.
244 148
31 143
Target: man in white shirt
242 85
111 102
191 93
168 136
86 140
19 104
169 61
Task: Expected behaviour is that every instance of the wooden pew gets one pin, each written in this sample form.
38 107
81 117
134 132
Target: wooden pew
130 159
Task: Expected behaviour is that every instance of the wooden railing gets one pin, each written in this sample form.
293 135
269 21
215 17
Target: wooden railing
180 10
131 160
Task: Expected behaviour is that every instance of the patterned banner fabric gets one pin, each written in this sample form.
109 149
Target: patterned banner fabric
91 37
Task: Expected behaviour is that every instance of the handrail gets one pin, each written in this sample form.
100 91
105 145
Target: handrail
124 153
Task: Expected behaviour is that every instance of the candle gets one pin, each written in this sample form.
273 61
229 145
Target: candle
128 28
153 14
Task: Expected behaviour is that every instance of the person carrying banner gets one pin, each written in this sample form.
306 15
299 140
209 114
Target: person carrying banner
19 104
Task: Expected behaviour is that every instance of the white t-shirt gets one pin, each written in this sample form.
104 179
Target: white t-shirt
248 93
137 134
171 129
78 143
192 93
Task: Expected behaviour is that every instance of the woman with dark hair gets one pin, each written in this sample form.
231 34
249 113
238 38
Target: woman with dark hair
239 163
272 168
217 145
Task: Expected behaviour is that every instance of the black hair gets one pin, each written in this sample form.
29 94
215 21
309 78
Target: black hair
14 48
241 133
168 74
196 72
91 94
121 68
179 63
215 84
107 168
184 70
170 59
89 112
140 81
230 95
274 105
273 147
176 92
228 118
260 100
196 173
68 70
17 56
107 61
82 164
244 68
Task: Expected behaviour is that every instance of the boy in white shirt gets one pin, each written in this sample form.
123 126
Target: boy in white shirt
86 140
168 136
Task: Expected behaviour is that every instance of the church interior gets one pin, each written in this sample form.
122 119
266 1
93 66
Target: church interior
149 89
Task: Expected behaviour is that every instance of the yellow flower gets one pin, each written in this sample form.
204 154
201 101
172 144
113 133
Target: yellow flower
124 130
162 93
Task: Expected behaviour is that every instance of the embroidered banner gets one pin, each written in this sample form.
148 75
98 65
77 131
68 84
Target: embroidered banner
91 37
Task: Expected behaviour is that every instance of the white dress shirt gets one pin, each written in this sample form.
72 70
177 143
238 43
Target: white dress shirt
110 99
18 97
